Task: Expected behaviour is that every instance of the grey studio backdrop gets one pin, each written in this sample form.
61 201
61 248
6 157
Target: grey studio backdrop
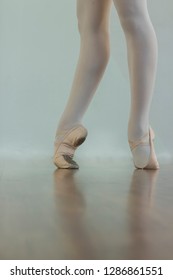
39 47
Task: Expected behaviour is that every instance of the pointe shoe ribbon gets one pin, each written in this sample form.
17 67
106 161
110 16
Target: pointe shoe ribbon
65 145
152 162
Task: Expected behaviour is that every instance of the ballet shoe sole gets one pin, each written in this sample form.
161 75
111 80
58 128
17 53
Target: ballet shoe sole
79 142
152 163
69 163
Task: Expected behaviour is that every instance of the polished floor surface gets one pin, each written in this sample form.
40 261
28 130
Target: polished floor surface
105 210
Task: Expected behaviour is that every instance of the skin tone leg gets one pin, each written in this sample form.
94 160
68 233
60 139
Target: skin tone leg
142 61
93 25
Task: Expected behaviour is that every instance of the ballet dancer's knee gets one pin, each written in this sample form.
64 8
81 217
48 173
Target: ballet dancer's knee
135 24
90 23
96 41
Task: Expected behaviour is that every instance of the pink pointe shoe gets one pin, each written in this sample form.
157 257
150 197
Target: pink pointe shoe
152 162
66 144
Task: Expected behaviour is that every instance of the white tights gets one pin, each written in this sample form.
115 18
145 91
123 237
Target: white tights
93 23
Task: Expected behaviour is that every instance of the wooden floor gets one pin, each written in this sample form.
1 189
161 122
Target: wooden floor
104 210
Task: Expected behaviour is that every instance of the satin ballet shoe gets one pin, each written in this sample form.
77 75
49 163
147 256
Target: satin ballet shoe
152 162
65 145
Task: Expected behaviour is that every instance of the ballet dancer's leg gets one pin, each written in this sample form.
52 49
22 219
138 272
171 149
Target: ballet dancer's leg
93 25
142 61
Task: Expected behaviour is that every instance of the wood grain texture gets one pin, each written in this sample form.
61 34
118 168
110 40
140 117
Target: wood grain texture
104 210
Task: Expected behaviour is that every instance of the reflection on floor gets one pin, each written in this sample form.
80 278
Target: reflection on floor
104 210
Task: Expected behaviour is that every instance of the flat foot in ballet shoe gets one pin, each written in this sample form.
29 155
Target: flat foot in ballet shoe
152 162
65 148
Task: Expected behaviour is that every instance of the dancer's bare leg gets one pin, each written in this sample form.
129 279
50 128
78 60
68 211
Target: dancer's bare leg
142 60
93 24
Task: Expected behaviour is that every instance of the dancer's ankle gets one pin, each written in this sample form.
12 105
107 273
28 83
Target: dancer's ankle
136 132
65 126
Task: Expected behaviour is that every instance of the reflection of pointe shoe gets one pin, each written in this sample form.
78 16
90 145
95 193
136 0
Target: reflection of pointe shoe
66 144
152 162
